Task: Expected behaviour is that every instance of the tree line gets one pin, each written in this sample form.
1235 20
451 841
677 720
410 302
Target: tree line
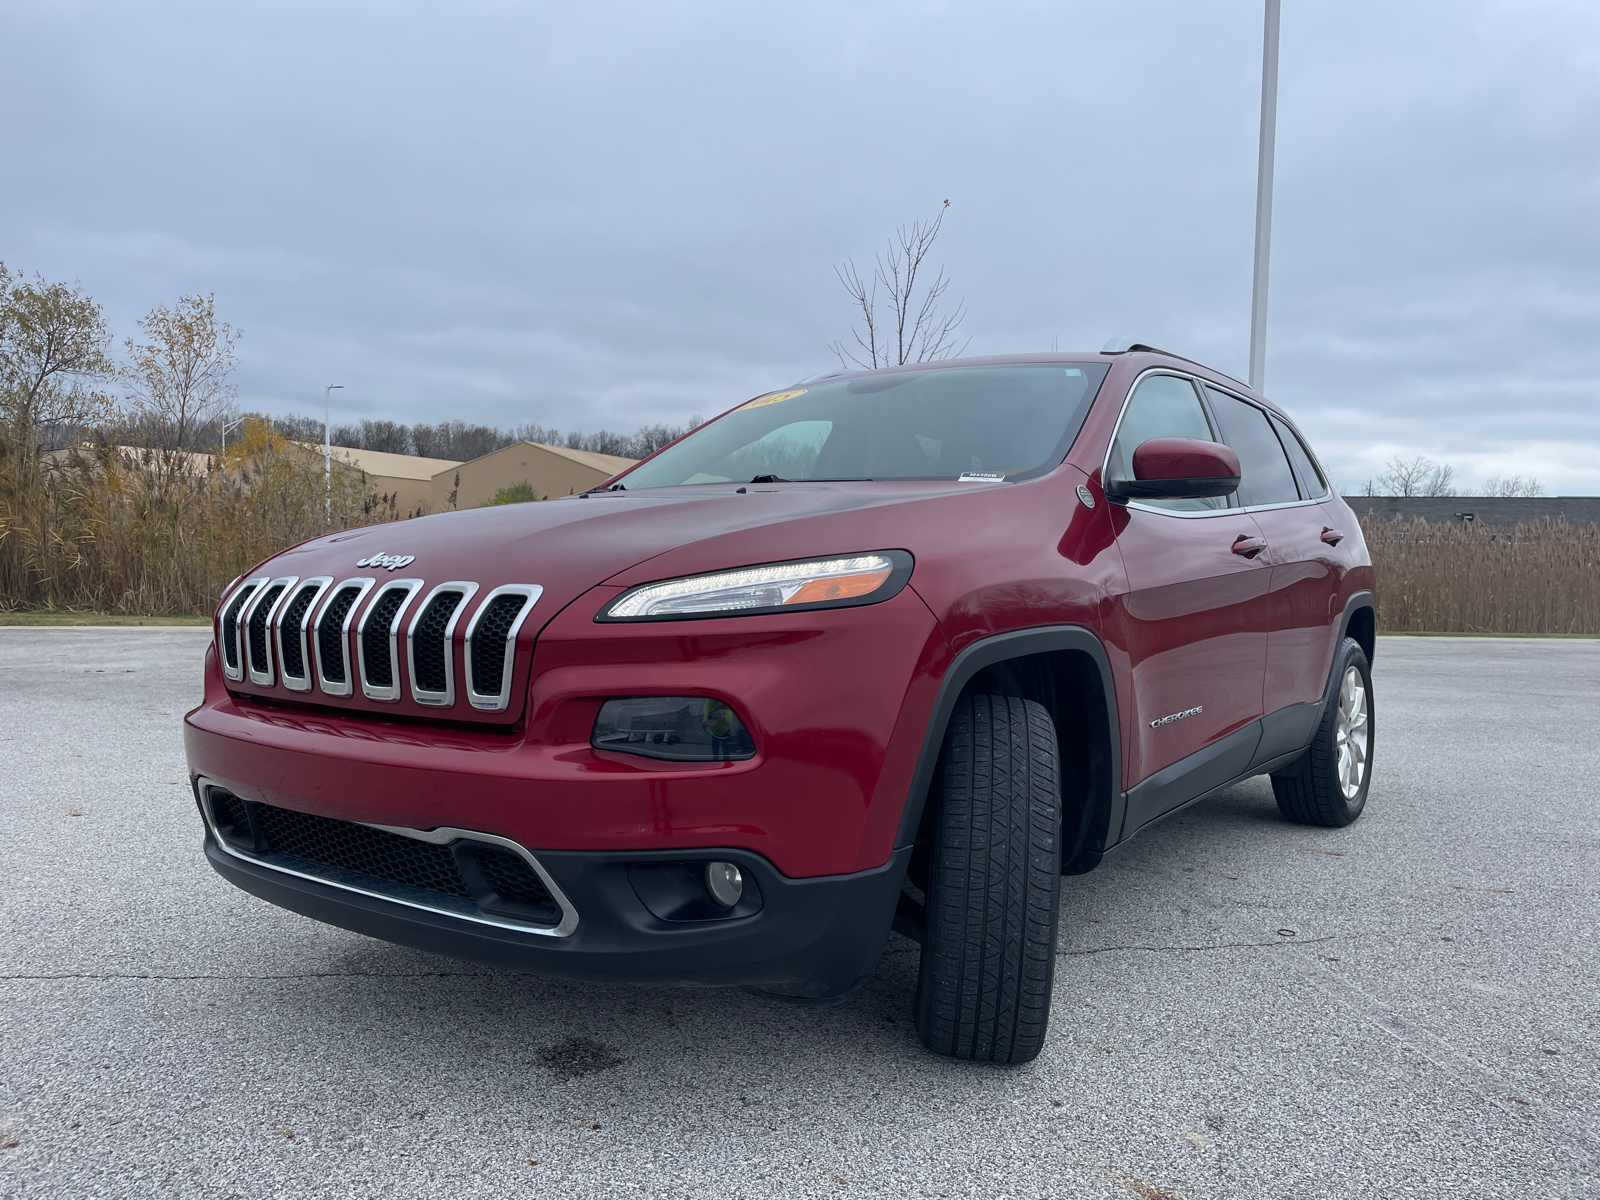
462 441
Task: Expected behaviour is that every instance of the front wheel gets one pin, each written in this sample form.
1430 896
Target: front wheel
1329 785
994 882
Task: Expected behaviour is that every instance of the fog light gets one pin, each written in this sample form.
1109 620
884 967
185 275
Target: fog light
724 883
678 728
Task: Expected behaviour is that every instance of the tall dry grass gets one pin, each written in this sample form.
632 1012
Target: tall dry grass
131 531
1538 577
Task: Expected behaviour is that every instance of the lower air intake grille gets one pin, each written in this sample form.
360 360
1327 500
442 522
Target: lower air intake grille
489 643
330 636
349 854
365 851
428 642
230 628
294 660
375 638
258 628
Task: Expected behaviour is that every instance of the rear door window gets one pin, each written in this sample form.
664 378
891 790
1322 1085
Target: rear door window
1312 485
1162 406
1264 473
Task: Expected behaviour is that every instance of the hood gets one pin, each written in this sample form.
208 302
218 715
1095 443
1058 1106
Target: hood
570 546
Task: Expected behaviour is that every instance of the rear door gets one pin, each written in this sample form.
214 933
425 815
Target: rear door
1194 618
1283 495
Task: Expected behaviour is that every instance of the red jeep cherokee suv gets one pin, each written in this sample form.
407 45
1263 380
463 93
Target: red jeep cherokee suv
893 648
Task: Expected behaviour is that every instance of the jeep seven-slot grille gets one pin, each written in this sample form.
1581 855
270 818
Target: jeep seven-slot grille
350 854
429 652
230 628
262 640
330 637
294 660
375 638
258 628
489 643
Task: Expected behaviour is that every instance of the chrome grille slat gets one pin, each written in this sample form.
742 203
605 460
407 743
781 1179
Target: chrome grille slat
378 637
332 635
257 635
290 631
491 644
430 650
229 644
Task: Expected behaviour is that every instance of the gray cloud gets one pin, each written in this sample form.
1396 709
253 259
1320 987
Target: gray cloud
607 214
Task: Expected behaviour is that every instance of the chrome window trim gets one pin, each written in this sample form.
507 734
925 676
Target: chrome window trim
498 701
446 698
321 583
441 836
365 584
255 581
269 676
1200 385
410 587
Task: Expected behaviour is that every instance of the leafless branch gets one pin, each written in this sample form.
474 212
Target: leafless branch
922 331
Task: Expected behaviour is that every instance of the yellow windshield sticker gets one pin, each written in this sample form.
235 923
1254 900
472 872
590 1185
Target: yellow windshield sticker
775 398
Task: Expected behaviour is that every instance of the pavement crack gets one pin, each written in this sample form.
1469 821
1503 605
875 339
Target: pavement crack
1192 949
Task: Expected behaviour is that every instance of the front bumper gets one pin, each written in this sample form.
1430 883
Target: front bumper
811 938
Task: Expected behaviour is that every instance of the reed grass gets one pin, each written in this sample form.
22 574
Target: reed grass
1539 577
104 529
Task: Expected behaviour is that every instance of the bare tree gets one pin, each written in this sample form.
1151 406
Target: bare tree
178 379
53 342
1513 485
903 326
1419 476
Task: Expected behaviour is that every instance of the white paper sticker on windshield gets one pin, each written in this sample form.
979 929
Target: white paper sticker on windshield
775 398
981 477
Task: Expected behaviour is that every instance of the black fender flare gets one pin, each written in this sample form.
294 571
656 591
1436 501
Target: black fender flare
986 652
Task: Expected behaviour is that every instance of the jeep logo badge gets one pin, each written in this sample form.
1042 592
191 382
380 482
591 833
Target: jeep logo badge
393 561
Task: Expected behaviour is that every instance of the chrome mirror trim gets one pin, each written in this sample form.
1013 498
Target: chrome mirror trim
300 683
266 675
247 593
446 698
498 701
410 587
365 584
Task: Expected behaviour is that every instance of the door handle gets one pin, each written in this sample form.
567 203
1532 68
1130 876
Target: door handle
1248 546
1332 536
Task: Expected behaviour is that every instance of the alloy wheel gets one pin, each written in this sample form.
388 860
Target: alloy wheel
1352 735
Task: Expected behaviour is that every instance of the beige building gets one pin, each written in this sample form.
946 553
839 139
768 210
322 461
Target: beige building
550 470
405 478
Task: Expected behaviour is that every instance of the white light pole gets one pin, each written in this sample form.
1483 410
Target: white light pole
1269 137
227 425
327 453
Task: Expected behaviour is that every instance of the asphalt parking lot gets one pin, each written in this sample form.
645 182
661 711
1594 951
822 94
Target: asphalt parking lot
1243 1008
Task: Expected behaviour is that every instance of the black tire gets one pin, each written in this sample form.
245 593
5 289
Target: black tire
1313 791
994 882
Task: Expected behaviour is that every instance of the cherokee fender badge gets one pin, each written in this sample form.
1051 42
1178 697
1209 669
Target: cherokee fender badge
392 561
1177 716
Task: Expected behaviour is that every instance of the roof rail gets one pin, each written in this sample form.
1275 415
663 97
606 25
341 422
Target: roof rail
1126 345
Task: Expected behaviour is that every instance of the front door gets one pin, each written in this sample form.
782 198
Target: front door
1194 618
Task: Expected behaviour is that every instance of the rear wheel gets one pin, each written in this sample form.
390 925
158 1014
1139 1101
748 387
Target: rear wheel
1329 785
994 881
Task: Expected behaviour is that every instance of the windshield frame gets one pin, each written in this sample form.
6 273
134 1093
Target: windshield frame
1071 430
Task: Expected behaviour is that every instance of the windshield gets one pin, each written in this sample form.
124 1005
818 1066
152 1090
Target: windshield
975 422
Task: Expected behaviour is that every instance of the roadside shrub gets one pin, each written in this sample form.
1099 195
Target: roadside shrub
516 493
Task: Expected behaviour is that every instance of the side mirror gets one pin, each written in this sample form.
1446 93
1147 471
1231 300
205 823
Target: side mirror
1178 469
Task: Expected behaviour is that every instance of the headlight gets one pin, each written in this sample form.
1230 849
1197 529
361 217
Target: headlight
815 583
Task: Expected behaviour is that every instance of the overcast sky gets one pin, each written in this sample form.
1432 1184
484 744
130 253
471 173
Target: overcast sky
607 214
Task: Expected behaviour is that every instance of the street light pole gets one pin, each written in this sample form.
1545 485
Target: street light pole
327 453
1269 138
227 425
